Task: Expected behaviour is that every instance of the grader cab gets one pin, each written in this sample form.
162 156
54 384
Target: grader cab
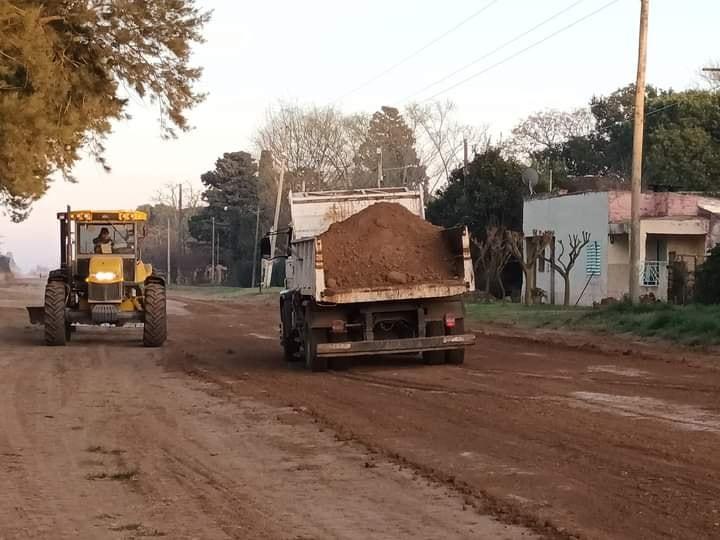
102 279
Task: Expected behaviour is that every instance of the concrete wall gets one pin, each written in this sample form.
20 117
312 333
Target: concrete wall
618 266
572 214
654 205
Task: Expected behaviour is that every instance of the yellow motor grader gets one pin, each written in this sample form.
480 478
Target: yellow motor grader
102 279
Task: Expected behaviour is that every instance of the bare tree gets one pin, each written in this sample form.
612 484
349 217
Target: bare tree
548 129
317 143
527 251
440 139
712 75
169 195
493 256
564 268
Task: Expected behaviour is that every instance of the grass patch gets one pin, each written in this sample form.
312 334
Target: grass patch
138 529
120 476
128 527
217 292
687 325
97 449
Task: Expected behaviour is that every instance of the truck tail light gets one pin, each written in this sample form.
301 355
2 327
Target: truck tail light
449 320
337 327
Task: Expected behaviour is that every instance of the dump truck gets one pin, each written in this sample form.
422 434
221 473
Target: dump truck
320 322
102 279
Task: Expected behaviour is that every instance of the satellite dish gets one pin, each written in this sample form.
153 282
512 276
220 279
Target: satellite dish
531 178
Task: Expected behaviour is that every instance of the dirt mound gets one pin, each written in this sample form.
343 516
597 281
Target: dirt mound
385 244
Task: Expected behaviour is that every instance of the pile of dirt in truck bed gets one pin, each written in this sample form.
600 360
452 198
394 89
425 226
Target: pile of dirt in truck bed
385 244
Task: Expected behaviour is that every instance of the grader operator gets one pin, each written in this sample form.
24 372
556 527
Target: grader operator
102 279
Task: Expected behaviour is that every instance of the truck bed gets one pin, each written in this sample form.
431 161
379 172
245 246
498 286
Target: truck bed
305 271
394 292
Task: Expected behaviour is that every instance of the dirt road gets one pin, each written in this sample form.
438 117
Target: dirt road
214 436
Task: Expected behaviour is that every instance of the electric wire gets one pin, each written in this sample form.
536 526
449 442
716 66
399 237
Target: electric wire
419 51
496 49
521 51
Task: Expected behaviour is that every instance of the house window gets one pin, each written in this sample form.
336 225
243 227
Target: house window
651 274
541 260
592 259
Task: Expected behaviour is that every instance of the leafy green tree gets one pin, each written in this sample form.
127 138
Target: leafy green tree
490 195
390 132
66 69
232 193
682 139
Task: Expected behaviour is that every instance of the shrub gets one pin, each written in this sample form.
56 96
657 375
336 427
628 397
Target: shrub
707 279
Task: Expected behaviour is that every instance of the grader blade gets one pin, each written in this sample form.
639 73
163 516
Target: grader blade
37 314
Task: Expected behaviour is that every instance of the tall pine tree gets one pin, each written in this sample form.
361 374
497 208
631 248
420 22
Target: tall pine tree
65 68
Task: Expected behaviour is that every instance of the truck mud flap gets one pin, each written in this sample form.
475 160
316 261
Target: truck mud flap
395 346
37 314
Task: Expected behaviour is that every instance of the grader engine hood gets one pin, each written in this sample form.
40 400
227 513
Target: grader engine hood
105 270
105 279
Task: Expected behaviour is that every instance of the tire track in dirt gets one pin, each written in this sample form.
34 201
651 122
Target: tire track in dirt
102 441
593 473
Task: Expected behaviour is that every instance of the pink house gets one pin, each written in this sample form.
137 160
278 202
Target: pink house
677 231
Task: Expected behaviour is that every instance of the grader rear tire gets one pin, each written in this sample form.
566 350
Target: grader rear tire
55 325
155 327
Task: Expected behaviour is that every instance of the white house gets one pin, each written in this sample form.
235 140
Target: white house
674 227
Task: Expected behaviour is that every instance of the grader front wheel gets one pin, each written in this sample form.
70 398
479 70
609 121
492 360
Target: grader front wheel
155 327
55 325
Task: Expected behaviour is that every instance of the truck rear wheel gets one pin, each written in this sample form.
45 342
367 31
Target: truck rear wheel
288 334
155 327
313 362
434 329
290 348
457 356
55 324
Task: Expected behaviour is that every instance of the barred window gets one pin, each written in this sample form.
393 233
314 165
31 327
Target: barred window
592 259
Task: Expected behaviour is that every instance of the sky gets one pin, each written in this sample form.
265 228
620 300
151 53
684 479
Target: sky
324 52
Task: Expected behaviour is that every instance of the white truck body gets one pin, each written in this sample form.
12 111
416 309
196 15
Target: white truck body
312 213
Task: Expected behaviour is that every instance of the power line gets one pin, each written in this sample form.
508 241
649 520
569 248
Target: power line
497 49
521 51
420 50
661 109
628 120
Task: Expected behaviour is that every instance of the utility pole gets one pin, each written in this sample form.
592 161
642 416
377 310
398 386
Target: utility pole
380 167
257 239
218 275
267 278
465 157
179 231
212 256
169 274
465 166
636 177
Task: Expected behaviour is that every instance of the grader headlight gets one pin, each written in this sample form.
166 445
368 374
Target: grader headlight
104 276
